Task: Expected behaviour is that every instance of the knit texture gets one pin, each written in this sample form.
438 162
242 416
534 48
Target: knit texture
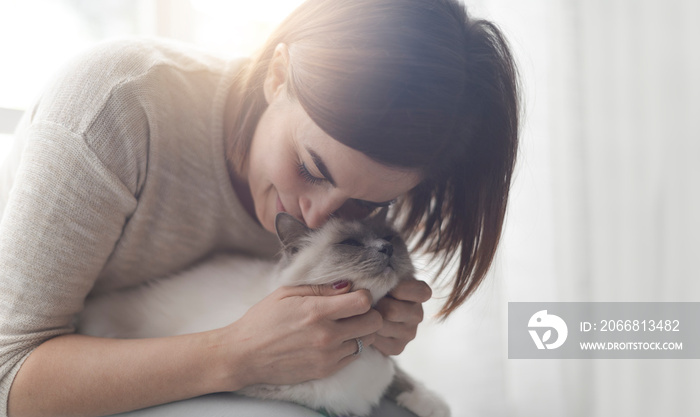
117 176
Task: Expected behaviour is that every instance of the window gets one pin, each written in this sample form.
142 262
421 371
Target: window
38 36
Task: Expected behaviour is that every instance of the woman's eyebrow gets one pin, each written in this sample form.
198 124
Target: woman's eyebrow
321 166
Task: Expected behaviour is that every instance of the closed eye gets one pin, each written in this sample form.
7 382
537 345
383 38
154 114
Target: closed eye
388 238
351 242
307 176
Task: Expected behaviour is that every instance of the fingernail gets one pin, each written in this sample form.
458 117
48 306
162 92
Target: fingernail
340 284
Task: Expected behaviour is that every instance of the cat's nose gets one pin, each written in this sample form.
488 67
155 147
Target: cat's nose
387 248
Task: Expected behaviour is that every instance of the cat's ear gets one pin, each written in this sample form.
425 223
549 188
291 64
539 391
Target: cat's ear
290 231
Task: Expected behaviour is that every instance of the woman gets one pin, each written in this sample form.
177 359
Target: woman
144 157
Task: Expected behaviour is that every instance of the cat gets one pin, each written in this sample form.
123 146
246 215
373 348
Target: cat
368 253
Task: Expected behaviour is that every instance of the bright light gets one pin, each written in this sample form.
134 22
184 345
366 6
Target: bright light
37 37
238 28
270 11
5 146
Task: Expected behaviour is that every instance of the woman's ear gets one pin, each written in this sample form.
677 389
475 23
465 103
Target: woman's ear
276 79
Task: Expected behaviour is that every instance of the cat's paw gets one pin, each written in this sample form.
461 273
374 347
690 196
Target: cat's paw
423 402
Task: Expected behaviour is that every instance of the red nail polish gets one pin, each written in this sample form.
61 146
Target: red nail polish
340 284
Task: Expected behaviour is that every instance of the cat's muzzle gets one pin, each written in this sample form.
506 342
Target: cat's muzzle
387 249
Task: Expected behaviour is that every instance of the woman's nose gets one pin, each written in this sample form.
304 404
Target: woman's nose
317 211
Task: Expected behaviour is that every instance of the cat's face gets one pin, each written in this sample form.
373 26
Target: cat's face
368 253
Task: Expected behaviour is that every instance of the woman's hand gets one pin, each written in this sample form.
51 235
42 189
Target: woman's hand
402 311
297 333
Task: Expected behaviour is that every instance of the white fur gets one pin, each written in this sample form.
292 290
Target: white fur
423 402
354 390
209 297
221 290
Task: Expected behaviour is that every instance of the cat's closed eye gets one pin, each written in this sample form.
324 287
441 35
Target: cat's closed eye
351 242
388 238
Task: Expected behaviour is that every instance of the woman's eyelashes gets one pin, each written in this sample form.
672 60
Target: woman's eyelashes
307 176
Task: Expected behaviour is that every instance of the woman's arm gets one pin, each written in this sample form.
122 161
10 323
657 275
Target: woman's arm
291 336
83 375
63 217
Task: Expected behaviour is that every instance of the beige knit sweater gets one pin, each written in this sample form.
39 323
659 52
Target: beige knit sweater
117 176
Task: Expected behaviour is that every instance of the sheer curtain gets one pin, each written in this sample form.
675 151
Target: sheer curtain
604 207
624 142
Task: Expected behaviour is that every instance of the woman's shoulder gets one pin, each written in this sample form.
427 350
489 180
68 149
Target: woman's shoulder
87 82
130 57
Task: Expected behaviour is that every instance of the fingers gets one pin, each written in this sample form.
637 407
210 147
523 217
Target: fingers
341 354
398 331
364 325
341 305
350 314
337 288
350 350
393 337
351 347
412 290
348 305
306 332
338 316
348 331
400 311
389 346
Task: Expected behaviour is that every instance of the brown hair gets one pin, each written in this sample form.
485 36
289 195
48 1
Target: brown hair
410 83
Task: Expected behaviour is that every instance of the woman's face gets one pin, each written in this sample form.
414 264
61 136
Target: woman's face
294 166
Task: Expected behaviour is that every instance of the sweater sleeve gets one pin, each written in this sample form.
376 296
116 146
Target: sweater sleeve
64 214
